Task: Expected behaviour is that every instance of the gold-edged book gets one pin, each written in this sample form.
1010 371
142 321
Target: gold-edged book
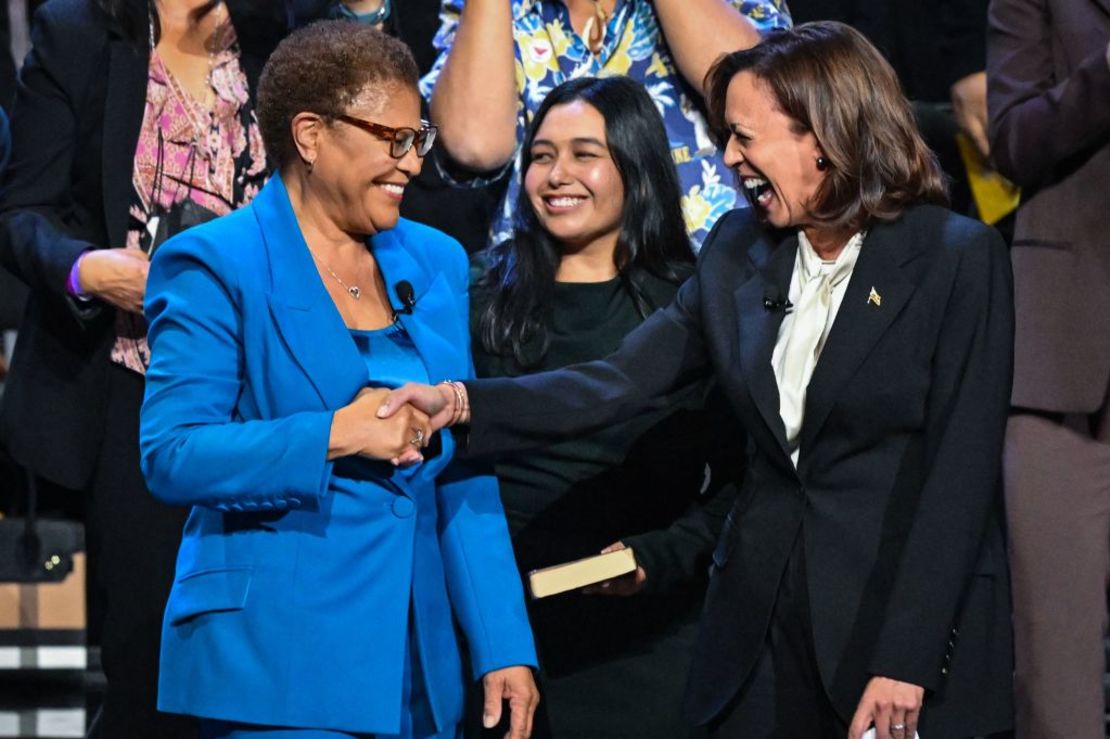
580 573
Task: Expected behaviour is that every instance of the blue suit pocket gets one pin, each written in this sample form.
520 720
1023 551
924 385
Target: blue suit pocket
207 591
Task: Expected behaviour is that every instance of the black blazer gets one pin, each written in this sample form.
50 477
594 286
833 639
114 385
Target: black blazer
75 125
896 493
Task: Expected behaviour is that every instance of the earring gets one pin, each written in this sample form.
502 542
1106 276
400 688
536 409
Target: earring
822 163
309 163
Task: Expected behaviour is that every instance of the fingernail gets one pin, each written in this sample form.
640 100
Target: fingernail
383 409
487 721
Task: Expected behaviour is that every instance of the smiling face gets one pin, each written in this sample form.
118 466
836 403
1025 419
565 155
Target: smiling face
354 173
775 160
572 182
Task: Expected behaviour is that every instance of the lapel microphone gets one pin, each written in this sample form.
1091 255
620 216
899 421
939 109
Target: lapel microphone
407 296
774 302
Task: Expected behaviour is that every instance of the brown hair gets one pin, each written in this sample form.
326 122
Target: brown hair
322 68
833 82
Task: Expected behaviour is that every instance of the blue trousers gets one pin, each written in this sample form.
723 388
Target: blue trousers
416 714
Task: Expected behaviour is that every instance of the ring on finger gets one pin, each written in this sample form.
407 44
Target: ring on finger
418 437
898 731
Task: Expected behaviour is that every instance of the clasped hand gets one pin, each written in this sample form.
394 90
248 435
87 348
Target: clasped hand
436 401
357 429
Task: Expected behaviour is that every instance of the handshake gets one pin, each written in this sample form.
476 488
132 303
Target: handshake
396 425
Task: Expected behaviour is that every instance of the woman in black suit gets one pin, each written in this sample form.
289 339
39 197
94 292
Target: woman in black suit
863 335
133 119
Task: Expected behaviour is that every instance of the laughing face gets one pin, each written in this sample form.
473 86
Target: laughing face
572 182
773 157
355 173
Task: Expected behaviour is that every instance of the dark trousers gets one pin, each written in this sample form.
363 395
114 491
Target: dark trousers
784 698
133 541
1057 480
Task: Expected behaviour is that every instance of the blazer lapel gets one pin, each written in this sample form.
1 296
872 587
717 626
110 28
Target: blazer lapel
124 106
759 327
305 315
860 323
433 307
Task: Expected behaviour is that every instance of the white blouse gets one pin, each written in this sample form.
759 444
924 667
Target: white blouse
817 289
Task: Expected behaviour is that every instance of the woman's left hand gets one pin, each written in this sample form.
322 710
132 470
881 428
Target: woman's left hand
892 706
625 585
518 687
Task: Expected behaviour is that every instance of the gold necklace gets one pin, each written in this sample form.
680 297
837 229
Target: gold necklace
595 28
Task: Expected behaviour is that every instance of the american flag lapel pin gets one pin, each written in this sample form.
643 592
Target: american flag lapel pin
874 298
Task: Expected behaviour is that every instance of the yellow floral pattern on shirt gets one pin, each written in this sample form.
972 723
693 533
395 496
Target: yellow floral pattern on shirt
549 52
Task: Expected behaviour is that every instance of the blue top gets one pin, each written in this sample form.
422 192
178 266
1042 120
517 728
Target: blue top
391 357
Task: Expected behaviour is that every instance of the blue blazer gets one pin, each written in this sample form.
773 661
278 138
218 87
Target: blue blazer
291 604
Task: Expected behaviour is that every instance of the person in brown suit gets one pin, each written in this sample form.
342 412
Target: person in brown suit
1048 68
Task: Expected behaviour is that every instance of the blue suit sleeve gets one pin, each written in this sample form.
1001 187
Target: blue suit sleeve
195 450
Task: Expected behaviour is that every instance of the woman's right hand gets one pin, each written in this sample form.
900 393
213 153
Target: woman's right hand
357 429
116 276
437 401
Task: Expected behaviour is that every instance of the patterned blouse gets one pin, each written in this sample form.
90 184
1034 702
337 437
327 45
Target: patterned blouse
549 52
211 155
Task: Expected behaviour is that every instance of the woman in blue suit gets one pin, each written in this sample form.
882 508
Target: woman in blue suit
318 583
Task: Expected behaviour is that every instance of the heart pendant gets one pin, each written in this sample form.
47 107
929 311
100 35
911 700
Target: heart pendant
355 292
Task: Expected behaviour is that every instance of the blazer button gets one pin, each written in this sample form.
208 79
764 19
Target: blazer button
403 507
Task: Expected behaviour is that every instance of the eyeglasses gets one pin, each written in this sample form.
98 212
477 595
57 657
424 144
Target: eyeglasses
400 139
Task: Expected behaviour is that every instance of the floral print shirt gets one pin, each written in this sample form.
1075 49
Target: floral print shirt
549 52
211 155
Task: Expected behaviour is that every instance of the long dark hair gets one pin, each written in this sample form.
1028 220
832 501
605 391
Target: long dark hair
520 276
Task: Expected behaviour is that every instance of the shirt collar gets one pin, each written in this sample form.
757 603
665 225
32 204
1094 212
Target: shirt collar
810 263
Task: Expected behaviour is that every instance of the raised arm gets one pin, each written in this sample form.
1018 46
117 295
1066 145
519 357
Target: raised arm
474 100
1038 119
699 31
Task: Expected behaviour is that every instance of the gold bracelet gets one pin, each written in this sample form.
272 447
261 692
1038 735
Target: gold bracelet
460 401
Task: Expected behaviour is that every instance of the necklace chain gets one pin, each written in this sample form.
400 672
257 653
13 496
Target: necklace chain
353 290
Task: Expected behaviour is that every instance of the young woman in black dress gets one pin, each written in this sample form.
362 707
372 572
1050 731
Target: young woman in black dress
600 244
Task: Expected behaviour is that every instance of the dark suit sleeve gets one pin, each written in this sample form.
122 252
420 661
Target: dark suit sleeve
654 363
1037 120
35 244
965 421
